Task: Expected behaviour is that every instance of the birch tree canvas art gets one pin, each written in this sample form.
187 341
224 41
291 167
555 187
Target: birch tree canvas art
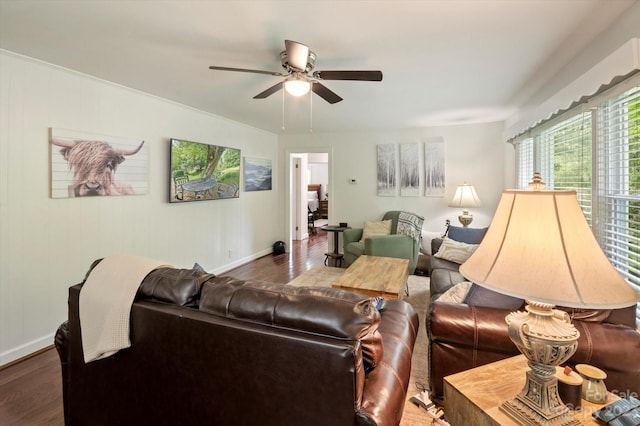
434 173
409 170
387 170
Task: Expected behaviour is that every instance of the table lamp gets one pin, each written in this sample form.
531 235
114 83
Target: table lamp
540 248
464 198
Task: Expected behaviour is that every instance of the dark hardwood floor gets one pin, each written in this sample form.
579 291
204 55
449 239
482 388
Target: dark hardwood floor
31 389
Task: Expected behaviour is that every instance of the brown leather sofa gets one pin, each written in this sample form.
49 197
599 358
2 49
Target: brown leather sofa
473 333
220 351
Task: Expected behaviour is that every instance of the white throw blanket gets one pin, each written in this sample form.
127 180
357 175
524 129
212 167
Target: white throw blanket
105 303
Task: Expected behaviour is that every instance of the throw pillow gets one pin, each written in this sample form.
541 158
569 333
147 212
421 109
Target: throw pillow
480 296
372 229
466 235
455 251
455 294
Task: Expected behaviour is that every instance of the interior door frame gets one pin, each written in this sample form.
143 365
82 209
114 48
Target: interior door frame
289 196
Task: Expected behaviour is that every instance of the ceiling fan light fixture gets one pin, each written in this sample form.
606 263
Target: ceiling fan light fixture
297 87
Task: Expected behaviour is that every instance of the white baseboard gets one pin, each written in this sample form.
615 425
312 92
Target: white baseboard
239 262
26 349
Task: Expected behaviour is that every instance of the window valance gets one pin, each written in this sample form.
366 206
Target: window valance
618 66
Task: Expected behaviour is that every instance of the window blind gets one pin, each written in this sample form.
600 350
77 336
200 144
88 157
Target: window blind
565 158
618 182
524 163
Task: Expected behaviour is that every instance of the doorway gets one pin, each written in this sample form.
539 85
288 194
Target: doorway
305 166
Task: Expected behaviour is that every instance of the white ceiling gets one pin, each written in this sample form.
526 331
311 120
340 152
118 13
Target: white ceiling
444 61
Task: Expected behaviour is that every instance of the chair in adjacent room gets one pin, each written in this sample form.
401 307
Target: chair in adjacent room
311 217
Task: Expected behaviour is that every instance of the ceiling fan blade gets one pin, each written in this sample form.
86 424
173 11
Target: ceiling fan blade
270 91
278 74
349 75
297 55
325 93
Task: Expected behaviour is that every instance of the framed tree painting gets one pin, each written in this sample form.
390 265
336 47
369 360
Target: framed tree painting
203 172
409 170
434 170
387 170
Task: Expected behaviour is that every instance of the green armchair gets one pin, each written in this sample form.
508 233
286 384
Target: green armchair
403 242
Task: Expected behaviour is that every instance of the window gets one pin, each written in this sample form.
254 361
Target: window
618 182
595 150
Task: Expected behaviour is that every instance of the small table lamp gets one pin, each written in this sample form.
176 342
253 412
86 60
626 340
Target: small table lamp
540 248
464 198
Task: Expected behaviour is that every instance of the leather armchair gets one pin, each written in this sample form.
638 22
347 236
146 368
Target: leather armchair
473 333
394 245
462 336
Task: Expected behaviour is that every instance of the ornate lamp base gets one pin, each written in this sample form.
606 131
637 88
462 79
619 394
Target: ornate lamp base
547 338
539 404
465 218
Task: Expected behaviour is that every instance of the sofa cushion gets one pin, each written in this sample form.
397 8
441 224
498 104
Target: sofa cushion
373 229
327 311
480 296
172 285
455 251
466 235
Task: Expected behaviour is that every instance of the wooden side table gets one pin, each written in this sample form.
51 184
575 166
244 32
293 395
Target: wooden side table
473 397
335 255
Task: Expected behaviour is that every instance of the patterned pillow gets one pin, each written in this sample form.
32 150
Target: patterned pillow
372 229
455 294
455 251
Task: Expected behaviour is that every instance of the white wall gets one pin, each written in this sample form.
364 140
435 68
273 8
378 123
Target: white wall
47 245
474 153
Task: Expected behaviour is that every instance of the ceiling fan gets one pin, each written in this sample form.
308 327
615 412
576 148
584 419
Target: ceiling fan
298 61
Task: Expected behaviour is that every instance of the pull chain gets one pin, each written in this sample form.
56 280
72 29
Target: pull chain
283 110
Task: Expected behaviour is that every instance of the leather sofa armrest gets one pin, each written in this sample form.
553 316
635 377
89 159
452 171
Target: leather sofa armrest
475 327
61 342
351 235
386 386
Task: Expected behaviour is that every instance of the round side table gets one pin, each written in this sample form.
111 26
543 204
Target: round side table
335 255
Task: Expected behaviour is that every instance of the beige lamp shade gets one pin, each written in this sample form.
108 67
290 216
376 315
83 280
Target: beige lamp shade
540 247
465 197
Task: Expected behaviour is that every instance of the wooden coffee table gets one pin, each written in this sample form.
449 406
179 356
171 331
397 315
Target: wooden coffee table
375 276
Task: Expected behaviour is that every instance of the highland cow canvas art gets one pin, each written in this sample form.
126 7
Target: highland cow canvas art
88 164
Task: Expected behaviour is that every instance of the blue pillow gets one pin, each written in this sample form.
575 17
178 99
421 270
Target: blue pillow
466 235
480 296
